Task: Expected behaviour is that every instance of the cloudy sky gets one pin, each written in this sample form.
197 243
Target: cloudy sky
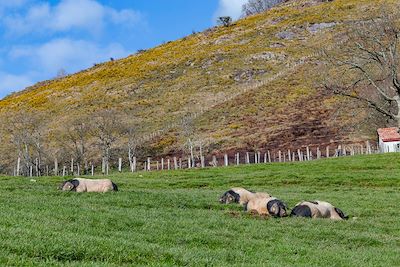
38 38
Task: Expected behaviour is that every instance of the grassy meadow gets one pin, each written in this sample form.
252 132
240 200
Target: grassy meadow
174 219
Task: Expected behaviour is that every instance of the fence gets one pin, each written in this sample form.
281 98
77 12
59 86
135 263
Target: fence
307 153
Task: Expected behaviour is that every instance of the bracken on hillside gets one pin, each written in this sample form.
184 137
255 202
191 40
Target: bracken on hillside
256 84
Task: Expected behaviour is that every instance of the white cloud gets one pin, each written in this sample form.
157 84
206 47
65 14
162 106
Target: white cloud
70 14
232 8
72 55
88 15
11 82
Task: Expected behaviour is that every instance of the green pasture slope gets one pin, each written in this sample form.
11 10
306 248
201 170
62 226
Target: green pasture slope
174 219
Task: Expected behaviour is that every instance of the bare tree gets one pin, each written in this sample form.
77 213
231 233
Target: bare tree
258 6
224 21
61 73
187 125
25 129
368 64
75 137
106 129
133 143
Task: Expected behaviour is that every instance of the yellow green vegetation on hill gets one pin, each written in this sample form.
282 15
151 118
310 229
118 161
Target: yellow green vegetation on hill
214 74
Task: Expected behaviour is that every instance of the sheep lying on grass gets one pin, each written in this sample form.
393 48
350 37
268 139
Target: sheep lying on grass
239 195
267 206
87 185
318 209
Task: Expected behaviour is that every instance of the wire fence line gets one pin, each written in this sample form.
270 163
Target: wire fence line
262 156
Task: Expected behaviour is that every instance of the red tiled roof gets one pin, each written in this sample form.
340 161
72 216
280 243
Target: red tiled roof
389 134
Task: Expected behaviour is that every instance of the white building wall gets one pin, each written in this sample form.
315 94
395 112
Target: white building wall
387 147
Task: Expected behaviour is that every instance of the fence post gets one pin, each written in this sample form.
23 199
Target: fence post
255 158
280 156
18 166
318 153
308 153
202 162
120 164
72 166
169 164
134 164
368 148
214 161
300 155
289 155
92 169
180 163
327 152
55 167
103 166
149 164
238 158
64 170
269 156
226 160
162 163
247 158
175 163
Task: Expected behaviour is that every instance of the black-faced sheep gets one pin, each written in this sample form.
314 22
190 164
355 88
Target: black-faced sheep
318 209
267 206
87 185
239 195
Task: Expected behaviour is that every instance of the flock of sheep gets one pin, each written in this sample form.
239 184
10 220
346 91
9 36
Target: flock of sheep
265 204
259 203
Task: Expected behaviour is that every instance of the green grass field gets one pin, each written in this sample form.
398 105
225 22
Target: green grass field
173 218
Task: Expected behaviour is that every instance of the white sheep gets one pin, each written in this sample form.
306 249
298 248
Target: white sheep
318 209
267 206
239 195
88 185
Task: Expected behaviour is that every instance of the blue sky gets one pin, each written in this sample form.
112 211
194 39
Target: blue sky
38 38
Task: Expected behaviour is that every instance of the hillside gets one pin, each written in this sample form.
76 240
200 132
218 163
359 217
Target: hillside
252 85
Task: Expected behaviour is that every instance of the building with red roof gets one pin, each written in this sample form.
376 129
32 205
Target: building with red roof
389 139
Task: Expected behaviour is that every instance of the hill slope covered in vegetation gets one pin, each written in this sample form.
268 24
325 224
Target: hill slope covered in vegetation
252 85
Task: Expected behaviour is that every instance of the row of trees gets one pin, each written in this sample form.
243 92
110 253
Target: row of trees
98 138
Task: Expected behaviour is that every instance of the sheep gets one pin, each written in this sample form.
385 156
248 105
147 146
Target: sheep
239 195
87 185
318 209
267 206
